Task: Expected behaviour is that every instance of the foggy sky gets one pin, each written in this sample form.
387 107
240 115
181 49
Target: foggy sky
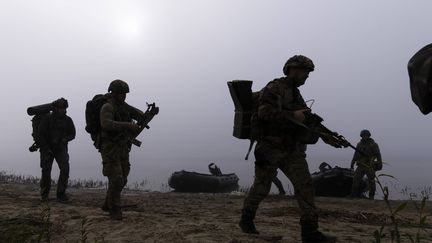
180 54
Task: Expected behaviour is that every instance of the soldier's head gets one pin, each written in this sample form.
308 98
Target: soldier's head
297 68
365 134
118 89
60 106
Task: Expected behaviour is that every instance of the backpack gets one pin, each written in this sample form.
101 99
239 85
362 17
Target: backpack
246 108
38 112
92 115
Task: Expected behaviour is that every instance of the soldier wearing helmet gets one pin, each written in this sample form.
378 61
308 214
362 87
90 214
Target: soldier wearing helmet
116 129
54 133
280 106
368 161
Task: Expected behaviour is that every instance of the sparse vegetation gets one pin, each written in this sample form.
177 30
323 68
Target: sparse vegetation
395 233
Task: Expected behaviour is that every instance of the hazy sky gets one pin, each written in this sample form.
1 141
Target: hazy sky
180 54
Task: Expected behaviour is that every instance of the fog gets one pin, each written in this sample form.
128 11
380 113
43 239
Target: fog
180 54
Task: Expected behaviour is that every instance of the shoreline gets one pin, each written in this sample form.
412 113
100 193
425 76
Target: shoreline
188 217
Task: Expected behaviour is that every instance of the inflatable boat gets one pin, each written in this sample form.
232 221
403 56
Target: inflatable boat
185 181
334 182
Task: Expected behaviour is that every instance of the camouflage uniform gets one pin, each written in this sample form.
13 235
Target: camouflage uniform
115 145
54 133
365 166
115 148
281 145
279 148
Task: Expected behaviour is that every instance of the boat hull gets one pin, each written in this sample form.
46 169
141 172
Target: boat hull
185 181
335 182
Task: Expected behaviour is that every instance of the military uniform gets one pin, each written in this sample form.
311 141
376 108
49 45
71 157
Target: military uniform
365 165
115 145
280 146
53 135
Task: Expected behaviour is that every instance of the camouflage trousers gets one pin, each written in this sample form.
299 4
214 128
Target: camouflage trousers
116 166
46 161
359 173
292 162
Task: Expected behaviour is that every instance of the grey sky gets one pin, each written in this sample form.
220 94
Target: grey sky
180 54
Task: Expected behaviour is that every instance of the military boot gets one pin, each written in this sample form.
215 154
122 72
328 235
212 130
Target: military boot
371 195
116 213
313 235
246 222
62 198
44 198
105 207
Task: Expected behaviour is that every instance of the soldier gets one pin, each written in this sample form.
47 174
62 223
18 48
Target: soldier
366 164
279 148
54 133
117 128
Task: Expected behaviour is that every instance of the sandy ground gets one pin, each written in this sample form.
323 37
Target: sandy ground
183 217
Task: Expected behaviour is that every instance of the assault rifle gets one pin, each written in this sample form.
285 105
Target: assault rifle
147 116
313 125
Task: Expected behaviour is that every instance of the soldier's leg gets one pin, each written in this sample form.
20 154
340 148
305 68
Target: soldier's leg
371 182
125 166
279 185
296 169
258 191
62 158
358 176
112 168
265 171
46 161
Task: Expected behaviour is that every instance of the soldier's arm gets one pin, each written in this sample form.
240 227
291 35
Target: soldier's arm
71 132
136 113
355 157
268 108
377 152
107 121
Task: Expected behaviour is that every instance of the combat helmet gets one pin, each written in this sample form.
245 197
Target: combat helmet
365 132
60 103
298 61
118 86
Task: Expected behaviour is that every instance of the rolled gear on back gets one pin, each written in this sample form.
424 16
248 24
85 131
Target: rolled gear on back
39 112
420 74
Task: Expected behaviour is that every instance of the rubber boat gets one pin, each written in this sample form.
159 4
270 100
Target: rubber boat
334 182
185 181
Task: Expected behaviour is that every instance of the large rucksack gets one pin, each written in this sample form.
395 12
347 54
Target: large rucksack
38 112
420 74
246 108
92 115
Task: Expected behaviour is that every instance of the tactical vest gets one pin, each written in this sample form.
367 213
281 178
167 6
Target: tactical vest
121 114
289 100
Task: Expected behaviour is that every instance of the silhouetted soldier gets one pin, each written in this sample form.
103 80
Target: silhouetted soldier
214 170
279 148
366 164
116 140
55 131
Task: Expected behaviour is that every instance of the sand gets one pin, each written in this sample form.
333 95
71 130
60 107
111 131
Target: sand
184 217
